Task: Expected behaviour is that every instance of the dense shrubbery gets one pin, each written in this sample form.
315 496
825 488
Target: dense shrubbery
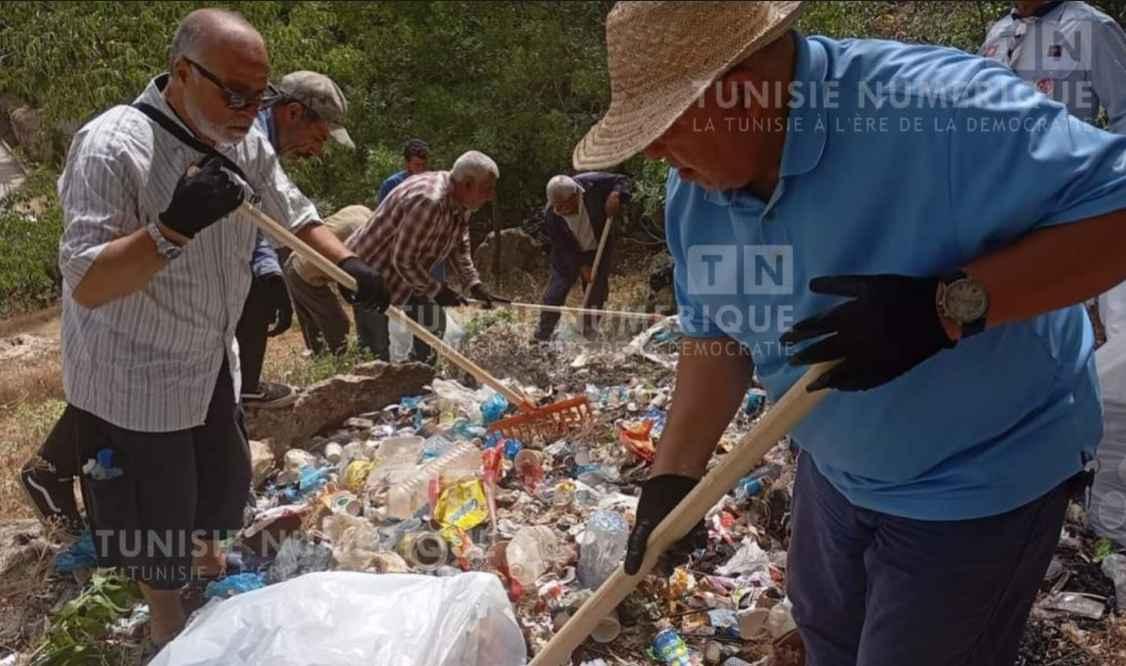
521 81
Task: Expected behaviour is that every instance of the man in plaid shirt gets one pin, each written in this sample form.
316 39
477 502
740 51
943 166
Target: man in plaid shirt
420 223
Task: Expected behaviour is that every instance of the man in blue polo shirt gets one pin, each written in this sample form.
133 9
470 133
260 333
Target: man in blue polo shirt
927 220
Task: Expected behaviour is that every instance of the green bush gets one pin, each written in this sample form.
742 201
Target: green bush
29 276
520 81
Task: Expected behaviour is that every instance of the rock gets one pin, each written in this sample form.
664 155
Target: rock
27 126
261 460
518 251
359 423
329 403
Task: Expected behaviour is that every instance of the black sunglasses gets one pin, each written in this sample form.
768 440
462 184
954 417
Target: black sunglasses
235 100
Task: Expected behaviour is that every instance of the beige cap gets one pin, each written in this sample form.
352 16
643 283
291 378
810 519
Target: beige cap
662 56
321 95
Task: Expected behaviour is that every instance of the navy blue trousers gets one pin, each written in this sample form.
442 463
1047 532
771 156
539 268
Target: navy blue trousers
872 589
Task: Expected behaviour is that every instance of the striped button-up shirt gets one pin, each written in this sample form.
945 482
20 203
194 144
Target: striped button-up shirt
149 361
416 226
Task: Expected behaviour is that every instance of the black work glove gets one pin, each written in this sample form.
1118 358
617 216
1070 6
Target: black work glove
203 196
890 326
370 291
659 496
479 292
449 298
281 310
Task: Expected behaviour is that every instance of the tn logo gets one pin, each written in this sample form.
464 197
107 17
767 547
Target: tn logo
730 270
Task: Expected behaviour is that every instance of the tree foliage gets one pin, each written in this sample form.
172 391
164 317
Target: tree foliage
520 81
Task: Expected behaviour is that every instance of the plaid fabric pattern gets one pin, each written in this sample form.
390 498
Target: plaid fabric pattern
416 226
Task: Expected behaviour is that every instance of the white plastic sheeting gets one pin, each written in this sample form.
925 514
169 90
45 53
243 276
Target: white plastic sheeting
351 618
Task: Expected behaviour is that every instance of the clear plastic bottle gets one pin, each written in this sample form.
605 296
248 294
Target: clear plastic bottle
409 493
531 552
602 546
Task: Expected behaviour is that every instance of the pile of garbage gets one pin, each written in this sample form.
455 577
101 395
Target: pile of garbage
488 536
495 542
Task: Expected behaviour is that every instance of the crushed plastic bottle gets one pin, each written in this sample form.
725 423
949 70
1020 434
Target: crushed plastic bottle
531 552
602 546
669 648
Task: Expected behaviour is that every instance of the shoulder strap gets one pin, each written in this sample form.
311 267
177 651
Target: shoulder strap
185 137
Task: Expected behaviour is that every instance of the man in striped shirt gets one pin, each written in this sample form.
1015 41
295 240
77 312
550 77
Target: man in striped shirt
422 222
155 257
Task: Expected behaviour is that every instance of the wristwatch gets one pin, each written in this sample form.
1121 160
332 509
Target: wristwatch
964 301
164 247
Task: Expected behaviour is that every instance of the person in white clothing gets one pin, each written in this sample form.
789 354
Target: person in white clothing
155 257
1076 55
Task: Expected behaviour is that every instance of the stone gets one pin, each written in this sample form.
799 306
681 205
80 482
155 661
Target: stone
329 403
31 135
518 251
261 460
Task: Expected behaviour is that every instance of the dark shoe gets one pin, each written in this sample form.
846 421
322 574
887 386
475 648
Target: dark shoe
270 396
52 498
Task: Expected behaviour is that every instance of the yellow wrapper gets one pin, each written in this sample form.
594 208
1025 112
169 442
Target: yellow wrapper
462 505
356 475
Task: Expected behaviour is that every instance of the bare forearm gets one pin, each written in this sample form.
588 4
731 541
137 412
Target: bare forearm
124 266
322 240
712 376
1053 268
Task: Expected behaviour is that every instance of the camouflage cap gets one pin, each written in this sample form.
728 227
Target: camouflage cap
321 95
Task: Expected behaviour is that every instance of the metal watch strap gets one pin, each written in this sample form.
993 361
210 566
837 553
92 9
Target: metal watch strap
164 247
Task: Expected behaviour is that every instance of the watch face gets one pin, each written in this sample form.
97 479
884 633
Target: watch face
966 301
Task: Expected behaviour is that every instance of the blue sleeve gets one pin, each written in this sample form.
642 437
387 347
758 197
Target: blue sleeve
385 188
264 261
1108 70
1019 162
694 321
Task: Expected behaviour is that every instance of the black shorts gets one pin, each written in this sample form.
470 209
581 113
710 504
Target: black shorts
173 486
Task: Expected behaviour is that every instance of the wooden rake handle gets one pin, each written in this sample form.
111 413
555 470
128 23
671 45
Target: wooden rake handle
780 419
648 316
286 237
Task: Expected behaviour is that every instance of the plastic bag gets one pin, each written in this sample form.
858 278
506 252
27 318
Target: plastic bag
297 556
356 618
78 555
749 558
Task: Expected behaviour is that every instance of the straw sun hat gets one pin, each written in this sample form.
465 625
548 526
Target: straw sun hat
662 56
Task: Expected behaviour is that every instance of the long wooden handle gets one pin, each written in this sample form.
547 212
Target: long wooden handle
597 261
649 316
286 237
780 419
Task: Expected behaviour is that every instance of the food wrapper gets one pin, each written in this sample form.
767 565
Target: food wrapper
356 475
462 505
637 439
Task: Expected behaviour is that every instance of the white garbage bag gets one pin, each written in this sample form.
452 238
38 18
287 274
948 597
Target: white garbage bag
351 618
1107 513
